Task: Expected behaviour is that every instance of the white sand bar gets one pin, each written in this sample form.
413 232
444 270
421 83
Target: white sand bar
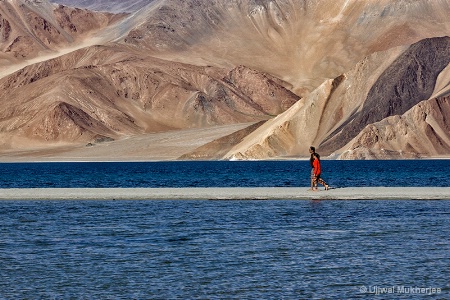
241 193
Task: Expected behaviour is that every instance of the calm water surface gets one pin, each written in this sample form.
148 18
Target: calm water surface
223 249
224 174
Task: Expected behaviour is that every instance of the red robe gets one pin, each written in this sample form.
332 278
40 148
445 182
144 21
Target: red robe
316 166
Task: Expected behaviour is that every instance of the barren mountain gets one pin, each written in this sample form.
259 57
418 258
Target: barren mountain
410 79
85 77
31 28
303 42
98 93
384 84
422 131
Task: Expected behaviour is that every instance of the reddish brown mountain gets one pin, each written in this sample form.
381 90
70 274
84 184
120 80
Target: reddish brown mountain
31 28
102 92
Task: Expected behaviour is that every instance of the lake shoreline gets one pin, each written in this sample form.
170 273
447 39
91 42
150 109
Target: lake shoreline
227 193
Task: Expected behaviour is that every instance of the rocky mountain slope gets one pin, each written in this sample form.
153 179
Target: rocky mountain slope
302 42
410 79
423 130
318 72
69 99
31 28
385 84
114 6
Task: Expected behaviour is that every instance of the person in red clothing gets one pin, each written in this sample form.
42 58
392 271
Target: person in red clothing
317 172
312 151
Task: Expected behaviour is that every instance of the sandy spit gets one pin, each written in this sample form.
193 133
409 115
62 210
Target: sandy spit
257 193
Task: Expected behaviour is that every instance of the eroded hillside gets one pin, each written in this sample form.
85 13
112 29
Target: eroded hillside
302 42
31 28
385 84
318 72
422 131
100 92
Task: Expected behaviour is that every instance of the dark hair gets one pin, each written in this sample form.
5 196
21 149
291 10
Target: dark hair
311 158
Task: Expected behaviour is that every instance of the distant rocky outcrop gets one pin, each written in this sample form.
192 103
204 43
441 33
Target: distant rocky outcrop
410 79
65 122
423 131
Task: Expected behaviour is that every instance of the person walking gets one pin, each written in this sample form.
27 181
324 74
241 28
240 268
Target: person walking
312 151
317 173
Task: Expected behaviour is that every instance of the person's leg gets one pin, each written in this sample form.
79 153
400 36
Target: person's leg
315 185
322 182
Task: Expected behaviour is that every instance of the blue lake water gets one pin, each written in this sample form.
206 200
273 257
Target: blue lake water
224 174
224 249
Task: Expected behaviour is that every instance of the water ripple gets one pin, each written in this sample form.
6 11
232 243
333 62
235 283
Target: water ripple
221 249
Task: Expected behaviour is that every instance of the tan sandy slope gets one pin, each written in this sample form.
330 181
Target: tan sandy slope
148 147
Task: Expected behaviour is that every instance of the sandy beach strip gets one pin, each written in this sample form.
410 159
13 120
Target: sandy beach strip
229 193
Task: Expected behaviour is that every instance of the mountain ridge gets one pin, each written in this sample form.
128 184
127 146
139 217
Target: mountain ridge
316 76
